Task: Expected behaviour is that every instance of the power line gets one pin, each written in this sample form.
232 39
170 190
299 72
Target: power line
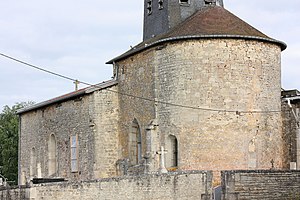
36 67
134 96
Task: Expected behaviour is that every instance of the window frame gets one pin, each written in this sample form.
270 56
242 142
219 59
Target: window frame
172 159
74 153
52 155
33 162
183 3
149 7
135 144
160 4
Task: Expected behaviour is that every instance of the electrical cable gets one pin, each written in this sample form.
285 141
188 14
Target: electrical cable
133 96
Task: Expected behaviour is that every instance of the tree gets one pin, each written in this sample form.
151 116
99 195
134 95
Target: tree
9 125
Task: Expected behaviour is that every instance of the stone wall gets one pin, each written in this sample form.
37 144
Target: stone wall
185 185
106 139
222 102
92 117
289 134
217 83
136 85
64 120
14 193
189 185
257 185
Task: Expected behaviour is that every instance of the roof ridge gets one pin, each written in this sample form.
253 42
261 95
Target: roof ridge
70 95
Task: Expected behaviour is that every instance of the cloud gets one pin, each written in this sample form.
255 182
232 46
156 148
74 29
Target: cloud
76 38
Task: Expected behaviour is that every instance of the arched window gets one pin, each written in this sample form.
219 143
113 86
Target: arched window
172 152
252 161
135 143
52 155
33 169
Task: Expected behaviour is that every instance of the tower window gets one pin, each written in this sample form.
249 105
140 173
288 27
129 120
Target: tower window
210 2
184 2
160 4
149 7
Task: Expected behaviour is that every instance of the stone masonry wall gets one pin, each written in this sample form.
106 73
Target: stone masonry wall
185 185
106 139
64 120
14 193
189 185
216 83
257 185
92 117
289 134
135 77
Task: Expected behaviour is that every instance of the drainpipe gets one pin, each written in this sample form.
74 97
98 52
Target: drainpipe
297 134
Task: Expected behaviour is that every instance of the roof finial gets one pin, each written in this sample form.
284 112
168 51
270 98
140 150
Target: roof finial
76 82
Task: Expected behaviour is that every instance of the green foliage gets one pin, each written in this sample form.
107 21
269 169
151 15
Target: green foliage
9 125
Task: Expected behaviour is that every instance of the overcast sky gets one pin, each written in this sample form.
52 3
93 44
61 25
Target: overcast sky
75 38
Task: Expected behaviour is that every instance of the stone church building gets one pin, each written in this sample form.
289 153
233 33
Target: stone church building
202 91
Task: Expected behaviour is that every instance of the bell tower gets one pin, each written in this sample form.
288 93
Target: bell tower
162 15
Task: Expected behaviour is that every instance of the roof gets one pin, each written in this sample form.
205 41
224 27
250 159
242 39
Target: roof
207 23
291 95
69 96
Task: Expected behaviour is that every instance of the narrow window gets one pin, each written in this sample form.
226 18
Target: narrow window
160 4
184 2
149 7
33 170
172 152
74 153
135 144
52 155
210 2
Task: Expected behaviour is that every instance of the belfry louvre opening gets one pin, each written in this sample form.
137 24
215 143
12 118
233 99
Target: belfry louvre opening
184 1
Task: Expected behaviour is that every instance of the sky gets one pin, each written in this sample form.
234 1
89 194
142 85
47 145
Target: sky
75 38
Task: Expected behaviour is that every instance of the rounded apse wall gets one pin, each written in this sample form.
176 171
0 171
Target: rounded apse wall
228 97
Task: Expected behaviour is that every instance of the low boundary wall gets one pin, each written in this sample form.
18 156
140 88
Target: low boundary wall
260 184
188 185
182 185
14 193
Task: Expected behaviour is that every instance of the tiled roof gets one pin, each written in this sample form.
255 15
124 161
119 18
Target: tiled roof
214 21
69 96
210 22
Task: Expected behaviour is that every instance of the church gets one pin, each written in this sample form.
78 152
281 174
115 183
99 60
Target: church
201 92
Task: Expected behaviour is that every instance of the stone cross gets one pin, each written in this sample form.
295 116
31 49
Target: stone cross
162 168
76 82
